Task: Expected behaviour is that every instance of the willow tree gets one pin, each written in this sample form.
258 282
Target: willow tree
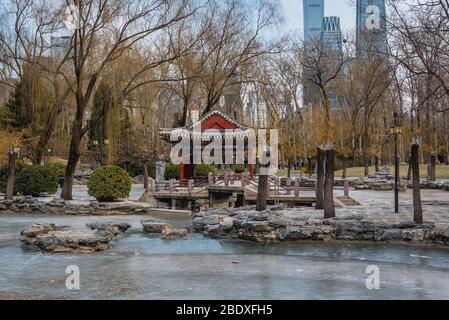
105 31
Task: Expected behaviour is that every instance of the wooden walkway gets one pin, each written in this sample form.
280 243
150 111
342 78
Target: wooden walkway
230 187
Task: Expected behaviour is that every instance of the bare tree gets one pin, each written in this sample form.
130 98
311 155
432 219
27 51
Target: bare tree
106 30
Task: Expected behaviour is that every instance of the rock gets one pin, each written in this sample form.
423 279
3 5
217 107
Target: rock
114 228
227 223
174 234
390 235
76 241
155 227
405 225
50 238
413 235
30 235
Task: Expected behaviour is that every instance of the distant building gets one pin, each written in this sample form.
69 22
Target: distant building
332 40
233 104
313 21
313 18
59 45
331 34
371 28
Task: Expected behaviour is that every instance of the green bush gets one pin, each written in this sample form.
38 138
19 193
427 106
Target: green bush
171 171
4 176
57 168
36 181
239 168
202 170
109 183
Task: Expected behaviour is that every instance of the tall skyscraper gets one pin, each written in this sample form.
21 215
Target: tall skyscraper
313 18
371 28
332 40
331 34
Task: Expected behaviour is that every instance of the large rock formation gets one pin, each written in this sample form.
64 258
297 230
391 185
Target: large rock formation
51 238
274 226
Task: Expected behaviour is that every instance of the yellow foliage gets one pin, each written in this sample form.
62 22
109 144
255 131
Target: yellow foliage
8 140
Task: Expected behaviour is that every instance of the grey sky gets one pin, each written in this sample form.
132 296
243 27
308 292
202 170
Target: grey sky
293 11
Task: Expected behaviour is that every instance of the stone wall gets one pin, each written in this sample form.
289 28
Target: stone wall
275 225
60 207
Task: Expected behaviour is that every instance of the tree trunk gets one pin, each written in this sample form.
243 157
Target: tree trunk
146 183
417 206
345 169
289 173
45 136
376 157
329 206
12 158
320 179
310 166
409 172
262 193
74 156
366 172
432 171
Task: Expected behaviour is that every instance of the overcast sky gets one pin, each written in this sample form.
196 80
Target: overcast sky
293 13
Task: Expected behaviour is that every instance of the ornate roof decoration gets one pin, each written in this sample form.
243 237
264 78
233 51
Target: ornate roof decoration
187 131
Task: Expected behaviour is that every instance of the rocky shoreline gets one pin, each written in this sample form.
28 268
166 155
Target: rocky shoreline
278 225
29 205
95 237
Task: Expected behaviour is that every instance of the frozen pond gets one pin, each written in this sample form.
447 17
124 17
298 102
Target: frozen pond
144 267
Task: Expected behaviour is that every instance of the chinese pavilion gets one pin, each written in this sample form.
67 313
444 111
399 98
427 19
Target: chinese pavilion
213 120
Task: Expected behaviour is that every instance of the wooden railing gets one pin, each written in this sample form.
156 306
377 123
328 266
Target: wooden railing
292 186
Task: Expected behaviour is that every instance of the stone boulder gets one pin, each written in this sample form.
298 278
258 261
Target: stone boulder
30 235
51 238
155 227
114 228
174 234
75 241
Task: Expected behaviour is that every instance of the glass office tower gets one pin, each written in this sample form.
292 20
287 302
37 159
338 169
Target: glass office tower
313 18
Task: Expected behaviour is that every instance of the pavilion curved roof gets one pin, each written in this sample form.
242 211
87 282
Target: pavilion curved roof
165 133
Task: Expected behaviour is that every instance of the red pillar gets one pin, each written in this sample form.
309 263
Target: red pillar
251 170
182 173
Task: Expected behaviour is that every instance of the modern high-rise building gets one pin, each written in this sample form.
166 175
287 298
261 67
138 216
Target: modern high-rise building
331 34
371 28
313 18
332 40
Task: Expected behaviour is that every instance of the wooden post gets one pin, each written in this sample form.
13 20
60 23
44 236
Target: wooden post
190 186
153 185
417 205
145 178
226 179
12 158
346 188
329 205
320 179
262 193
289 186
243 179
210 178
171 186
297 188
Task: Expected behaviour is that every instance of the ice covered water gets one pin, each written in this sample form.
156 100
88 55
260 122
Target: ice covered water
141 266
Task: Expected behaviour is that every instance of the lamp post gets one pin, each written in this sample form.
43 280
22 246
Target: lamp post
396 130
